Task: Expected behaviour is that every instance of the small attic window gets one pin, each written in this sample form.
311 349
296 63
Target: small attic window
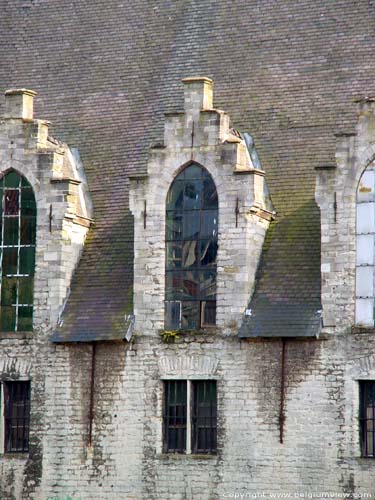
191 250
17 258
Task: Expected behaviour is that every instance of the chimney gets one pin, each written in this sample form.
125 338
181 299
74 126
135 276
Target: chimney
197 93
19 103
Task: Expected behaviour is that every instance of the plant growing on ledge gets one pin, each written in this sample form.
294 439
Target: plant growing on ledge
169 336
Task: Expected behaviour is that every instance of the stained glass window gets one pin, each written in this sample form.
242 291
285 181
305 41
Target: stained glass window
191 250
17 252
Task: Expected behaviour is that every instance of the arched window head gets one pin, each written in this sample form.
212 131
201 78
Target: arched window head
191 250
17 260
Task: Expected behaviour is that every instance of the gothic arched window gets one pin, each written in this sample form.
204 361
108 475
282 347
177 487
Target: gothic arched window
191 250
17 258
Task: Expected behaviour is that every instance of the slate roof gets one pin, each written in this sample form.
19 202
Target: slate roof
286 71
269 319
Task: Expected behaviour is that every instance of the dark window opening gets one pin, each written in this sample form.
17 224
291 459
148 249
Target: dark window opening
204 417
16 416
17 252
191 250
175 414
194 415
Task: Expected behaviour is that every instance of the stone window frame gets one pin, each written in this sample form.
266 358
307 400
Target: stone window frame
364 432
365 158
19 245
365 249
356 371
180 171
3 426
190 410
199 133
336 195
187 367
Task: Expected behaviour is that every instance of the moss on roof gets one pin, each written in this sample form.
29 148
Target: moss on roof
106 72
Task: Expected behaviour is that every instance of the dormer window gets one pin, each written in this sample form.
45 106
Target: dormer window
17 259
176 285
191 250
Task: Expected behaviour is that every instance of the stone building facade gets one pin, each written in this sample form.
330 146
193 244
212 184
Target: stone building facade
107 395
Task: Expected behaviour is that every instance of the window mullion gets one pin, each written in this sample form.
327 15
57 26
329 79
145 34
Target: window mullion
18 253
2 423
189 416
2 236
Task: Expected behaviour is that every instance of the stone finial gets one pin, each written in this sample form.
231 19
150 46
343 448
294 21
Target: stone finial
197 93
19 103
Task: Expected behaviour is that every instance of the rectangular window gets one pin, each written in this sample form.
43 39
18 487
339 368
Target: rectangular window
208 313
16 416
190 416
204 417
175 416
367 418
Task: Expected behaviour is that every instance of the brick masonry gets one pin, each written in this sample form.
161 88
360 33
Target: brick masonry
285 71
62 224
125 461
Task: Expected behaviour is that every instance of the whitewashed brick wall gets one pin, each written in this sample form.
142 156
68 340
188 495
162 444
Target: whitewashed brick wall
320 452
24 147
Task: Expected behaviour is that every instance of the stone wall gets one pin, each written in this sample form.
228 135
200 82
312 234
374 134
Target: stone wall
320 451
61 230
200 134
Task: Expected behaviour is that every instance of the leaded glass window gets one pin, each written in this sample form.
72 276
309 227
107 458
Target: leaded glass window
365 254
17 252
191 250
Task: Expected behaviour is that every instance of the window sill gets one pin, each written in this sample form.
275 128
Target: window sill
184 456
363 330
15 455
197 331
178 336
15 335
200 331
365 460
